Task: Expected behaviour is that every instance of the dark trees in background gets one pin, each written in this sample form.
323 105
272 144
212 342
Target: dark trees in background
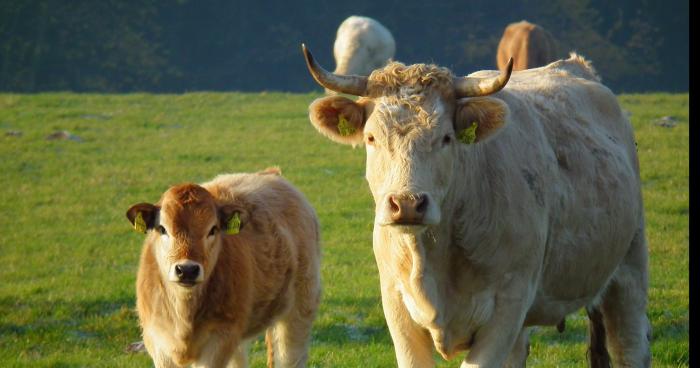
176 46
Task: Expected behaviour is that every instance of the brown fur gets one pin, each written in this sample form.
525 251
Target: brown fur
270 350
265 277
528 44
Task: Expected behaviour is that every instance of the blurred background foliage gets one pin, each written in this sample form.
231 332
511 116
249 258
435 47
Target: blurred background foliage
187 45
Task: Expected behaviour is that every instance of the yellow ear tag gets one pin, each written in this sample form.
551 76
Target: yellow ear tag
139 224
344 126
234 224
468 135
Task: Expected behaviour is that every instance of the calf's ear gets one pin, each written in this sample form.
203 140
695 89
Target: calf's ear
142 216
339 118
232 218
479 119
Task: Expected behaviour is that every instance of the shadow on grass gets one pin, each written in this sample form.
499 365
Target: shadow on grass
34 327
664 333
350 324
354 329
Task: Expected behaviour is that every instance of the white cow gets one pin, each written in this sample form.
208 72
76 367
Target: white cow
361 45
494 214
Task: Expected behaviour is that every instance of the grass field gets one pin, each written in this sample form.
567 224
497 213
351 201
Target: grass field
68 256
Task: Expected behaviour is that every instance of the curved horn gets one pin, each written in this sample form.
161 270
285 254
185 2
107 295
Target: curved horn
474 87
350 84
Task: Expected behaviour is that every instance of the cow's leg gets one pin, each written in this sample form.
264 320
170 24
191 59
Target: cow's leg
496 338
521 349
623 306
412 344
598 356
240 356
161 360
221 351
290 336
159 356
290 343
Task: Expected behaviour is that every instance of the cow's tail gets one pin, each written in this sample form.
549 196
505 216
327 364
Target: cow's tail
597 352
270 350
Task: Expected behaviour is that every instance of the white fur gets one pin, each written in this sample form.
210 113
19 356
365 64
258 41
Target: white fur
532 223
362 44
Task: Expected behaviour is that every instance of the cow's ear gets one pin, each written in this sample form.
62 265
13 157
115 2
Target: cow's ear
339 118
232 218
142 216
480 118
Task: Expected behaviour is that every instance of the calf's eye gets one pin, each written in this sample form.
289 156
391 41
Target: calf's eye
161 230
213 230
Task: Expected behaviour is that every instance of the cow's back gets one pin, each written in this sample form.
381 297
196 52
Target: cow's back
362 44
284 238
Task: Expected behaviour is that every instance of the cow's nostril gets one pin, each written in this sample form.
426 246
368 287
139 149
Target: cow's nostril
394 204
187 272
421 203
408 208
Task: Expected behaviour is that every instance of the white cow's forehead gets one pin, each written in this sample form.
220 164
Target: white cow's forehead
417 109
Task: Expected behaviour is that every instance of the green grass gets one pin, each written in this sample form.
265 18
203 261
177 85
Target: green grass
68 257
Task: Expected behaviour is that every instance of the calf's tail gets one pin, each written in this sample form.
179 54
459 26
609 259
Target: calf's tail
270 350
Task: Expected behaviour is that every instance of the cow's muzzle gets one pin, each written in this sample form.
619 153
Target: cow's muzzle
187 273
407 208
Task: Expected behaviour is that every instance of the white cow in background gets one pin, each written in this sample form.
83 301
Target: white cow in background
361 45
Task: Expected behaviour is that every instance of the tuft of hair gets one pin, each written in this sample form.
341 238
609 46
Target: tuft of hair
189 193
272 170
586 65
398 79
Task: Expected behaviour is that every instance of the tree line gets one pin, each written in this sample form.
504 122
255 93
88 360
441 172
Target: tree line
186 45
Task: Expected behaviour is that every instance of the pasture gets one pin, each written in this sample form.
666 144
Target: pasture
68 256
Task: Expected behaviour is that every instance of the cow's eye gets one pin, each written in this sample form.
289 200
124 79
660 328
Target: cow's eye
370 139
446 140
213 230
161 230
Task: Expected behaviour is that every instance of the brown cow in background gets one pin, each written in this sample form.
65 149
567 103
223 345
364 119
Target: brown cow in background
528 44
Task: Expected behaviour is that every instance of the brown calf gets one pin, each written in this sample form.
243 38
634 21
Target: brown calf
221 263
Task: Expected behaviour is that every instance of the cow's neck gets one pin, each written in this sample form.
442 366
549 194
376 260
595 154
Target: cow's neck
421 261
183 308
412 259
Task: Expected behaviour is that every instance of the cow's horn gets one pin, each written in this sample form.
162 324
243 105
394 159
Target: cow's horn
350 84
473 87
